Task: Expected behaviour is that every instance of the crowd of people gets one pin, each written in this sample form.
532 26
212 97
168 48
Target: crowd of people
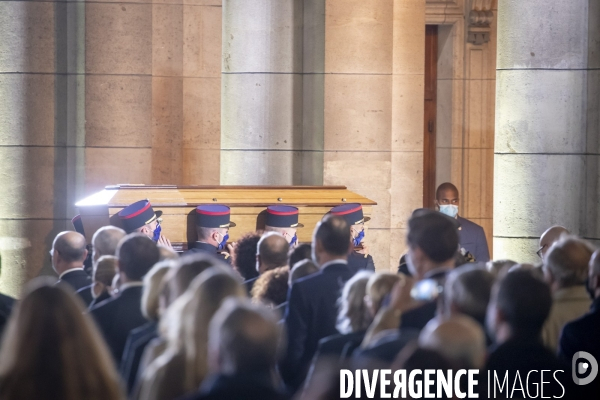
278 319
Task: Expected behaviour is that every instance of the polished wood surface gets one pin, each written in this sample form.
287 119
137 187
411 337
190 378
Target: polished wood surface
248 204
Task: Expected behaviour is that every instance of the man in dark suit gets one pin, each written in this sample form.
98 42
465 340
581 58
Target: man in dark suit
68 254
312 301
212 227
271 252
519 306
472 236
432 244
104 243
583 333
116 317
244 342
359 258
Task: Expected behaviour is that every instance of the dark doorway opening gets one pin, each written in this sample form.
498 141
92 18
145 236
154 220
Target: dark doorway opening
429 145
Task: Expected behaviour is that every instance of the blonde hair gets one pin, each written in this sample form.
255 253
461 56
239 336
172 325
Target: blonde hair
353 314
186 324
105 270
52 350
153 285
380 285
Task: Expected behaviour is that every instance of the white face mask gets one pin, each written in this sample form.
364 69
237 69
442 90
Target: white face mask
449 209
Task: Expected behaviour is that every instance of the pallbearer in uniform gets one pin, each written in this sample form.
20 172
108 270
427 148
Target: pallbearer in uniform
141 217
359 258
212 226
284 220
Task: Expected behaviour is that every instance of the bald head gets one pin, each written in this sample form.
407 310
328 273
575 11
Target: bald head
460 339
105 241
444 187
68 251
549 237
272 252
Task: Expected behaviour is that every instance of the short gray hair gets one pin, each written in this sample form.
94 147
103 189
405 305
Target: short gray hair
353 313
568 259
469 288
106 240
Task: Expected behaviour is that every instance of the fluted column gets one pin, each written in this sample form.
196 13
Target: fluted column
546 145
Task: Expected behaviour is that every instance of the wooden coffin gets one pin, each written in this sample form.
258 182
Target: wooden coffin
248 204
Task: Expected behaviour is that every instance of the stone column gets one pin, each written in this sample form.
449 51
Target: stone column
262 139
546 122
374 99
118 95
41 56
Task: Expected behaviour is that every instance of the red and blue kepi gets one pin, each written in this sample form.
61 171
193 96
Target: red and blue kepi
282 217
78 224
138 214
351 212
214 216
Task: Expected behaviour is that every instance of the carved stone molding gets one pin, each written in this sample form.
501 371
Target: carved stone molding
480 18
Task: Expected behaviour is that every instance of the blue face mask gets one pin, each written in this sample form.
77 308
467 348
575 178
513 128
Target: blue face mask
449 209
358 238
156 233
223 243
294 240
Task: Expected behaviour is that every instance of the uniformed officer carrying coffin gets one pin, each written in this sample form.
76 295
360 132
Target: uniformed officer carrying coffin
284 220
212 227
359 258
141 217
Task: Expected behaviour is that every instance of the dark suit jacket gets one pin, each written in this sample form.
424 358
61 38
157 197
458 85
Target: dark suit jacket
524 356
257 386
310 316
358 262
582 334
116 317
137 341
77 279
86 294
200 247
472 238
386 350
6 305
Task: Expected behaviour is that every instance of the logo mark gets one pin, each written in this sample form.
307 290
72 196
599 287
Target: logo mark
591 365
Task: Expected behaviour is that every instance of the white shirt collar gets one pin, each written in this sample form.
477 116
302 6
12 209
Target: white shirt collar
69 270
130 284
336 261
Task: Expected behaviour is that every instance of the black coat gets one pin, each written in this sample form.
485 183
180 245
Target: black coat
248 387
311 315
136 343
86 294
524 356
358 262
6 305
582 334
77 279
200 247
117 317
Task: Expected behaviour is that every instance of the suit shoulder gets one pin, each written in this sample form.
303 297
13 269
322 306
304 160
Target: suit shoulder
465 223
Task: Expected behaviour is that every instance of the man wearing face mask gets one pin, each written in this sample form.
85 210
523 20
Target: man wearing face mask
283 220
359 258
472 236
212 227
141 218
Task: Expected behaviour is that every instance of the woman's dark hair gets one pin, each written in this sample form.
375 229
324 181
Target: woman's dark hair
244 255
